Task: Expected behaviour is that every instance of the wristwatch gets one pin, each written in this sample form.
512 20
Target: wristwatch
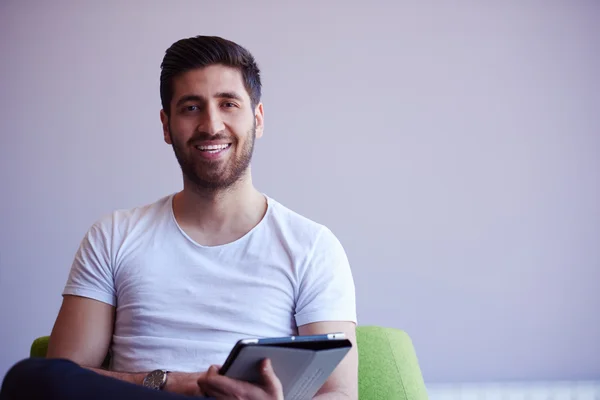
156 379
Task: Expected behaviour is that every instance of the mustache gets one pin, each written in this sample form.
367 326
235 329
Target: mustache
203 136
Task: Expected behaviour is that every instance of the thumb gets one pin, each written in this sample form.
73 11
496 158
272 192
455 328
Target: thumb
213 370
270 380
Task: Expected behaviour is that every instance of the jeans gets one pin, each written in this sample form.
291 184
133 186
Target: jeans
50 379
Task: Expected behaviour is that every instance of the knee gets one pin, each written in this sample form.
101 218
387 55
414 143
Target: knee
33 371
17 376
33 366
22 370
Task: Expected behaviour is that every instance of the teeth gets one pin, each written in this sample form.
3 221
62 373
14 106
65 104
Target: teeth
213 147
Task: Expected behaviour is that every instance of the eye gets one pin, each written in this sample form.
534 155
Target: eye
229 104
191 108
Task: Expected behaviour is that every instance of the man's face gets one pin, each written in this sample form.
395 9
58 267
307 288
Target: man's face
212 126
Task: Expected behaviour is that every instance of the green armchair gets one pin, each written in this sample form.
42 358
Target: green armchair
388 367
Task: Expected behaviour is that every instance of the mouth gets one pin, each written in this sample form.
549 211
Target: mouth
212 151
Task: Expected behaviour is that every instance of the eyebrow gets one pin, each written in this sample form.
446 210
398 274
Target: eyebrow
189 97
200 99
228 95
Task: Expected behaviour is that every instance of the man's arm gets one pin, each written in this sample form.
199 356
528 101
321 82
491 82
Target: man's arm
82 334
343 382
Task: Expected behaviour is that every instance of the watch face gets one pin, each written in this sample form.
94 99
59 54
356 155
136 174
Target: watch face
155 379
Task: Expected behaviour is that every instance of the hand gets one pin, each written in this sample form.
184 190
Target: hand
222 387
185 383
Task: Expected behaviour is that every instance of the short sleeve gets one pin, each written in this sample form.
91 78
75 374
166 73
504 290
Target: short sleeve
91 273
326 290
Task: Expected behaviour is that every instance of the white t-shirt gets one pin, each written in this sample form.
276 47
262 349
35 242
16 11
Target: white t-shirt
181 306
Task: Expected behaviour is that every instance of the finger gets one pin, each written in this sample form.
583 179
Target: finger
217 368
204 381
213 370
215 384
270 381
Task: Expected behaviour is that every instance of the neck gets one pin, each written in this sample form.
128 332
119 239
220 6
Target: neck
221 216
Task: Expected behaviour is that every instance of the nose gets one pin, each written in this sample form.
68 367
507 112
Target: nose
211 123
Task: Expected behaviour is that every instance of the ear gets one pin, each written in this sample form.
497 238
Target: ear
259 118
164 119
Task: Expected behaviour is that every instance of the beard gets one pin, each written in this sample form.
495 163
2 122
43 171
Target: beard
218 175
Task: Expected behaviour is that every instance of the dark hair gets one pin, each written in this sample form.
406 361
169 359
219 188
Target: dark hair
202 51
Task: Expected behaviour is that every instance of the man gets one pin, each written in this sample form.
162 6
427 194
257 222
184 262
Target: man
170 287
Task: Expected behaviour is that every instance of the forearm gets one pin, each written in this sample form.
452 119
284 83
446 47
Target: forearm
131 377
335 396
185 383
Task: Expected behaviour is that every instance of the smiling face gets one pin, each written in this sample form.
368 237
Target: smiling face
212 126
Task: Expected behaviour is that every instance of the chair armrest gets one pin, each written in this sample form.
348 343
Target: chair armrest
388 365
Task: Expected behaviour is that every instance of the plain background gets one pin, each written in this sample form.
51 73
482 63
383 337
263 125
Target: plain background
453 147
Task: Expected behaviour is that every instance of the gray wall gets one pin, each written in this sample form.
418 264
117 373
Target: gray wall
452 146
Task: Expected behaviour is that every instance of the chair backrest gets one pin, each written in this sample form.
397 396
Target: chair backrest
388 367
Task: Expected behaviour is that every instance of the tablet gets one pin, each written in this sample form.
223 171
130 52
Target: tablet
302 363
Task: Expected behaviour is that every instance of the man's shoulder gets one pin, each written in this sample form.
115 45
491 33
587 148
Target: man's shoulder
125 219
285 215
296 226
